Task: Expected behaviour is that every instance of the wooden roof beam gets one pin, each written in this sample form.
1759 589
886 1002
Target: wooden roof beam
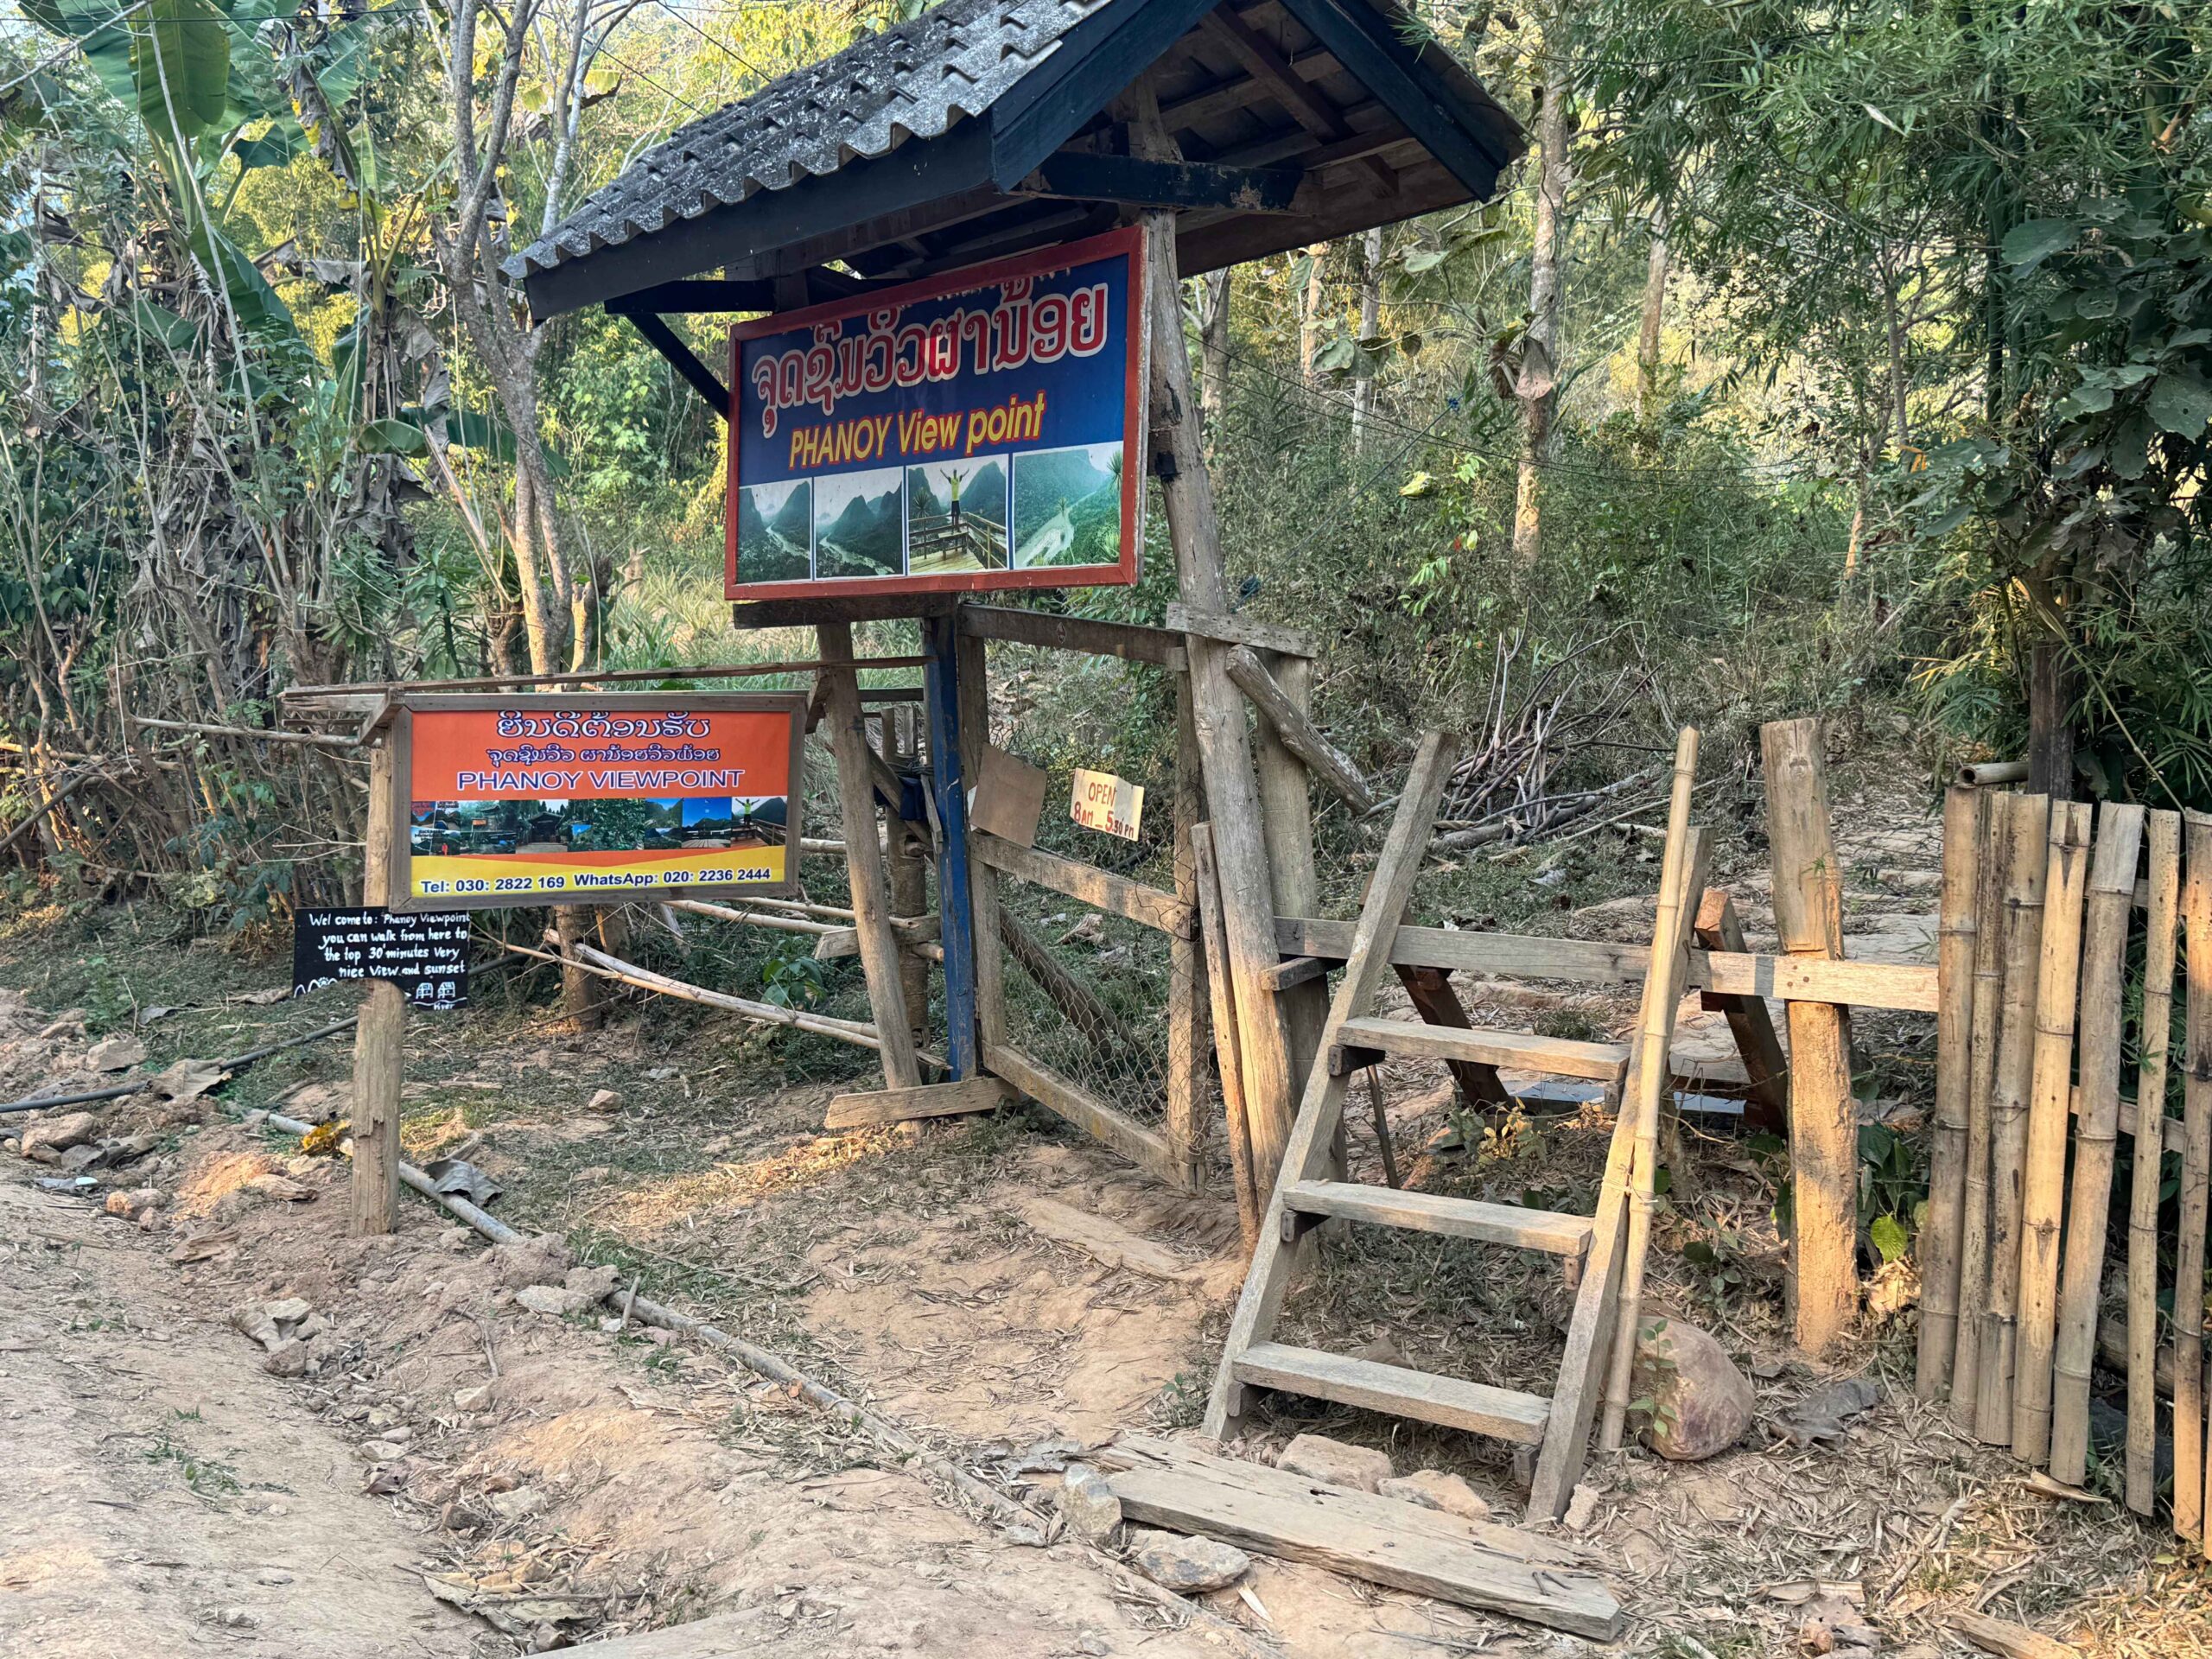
1180 185
1273 71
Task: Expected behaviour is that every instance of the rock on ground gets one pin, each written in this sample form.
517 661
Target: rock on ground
1700 1403
1189 1565
1319 1457
45 1143
1432 1489
1087 1500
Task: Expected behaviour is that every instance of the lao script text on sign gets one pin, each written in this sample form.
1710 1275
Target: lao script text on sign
1105 802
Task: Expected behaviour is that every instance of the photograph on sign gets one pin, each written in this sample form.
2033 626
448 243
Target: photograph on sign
596 797
982 430
1101 801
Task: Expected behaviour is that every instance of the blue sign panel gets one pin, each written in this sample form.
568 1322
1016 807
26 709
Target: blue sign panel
983 430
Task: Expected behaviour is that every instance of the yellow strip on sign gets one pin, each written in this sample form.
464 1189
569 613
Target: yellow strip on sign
1105 802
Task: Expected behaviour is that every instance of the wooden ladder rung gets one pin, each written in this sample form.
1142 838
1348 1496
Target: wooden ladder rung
1503 1413
1518 1051
1430 1212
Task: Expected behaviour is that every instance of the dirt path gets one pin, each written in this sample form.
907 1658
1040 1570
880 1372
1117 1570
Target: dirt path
163 1498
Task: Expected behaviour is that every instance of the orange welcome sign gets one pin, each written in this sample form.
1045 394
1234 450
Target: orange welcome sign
614 798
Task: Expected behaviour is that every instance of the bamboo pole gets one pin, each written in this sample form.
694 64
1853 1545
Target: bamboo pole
1823 1112
1995 861
603 966
1956 933
2042 1193
379 1042
2165 835
2195 1165
2028 830
1682 877
2104 983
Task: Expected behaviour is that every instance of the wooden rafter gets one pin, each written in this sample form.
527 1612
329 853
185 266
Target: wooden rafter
1268 66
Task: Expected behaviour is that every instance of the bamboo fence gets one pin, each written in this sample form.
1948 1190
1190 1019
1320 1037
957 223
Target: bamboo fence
2070 1178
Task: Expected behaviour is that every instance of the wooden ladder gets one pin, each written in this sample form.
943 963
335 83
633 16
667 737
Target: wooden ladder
1557 1426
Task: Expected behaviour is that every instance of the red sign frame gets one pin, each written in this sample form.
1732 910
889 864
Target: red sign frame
1128 240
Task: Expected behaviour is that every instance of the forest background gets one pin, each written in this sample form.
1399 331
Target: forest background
1846 359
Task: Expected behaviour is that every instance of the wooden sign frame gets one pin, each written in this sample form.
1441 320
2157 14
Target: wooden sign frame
792 705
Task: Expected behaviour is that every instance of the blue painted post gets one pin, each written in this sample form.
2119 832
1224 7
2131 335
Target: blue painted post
957 924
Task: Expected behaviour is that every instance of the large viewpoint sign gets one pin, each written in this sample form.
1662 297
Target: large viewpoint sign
596 797
982 430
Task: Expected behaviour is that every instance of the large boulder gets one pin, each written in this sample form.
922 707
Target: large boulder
1700 1404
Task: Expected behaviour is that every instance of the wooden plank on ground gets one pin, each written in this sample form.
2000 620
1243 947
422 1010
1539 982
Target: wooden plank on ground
726 1636
1908 986
1105 1239
1153 907
1093 1117
1378 1539
862 1111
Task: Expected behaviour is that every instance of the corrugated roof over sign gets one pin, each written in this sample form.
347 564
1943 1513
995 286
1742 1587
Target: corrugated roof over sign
913 80
986 127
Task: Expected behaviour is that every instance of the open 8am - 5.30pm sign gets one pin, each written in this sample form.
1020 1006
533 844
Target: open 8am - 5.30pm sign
596 797
982 430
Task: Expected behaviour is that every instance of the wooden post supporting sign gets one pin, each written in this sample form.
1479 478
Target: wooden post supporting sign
864 859
1823 1116
379 1041
1232 791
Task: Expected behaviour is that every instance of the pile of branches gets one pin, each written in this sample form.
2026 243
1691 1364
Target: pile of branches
1539 719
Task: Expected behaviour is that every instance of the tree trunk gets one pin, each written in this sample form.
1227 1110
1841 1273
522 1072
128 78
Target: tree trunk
1538 383
1371 323
1648 336
1213 347
2050 726
1309 312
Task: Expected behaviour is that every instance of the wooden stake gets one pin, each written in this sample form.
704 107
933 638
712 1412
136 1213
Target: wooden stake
2165 833
379 1042
1766 1101
864 861
2196 1167
2104 985
908 882
1249 1201
1681 879
1947 1163
1187 962
1287 824
2028 828
1995 863
1248 908
1823 1114
2043 1192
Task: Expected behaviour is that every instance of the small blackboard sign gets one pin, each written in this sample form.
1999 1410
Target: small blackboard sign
426 954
